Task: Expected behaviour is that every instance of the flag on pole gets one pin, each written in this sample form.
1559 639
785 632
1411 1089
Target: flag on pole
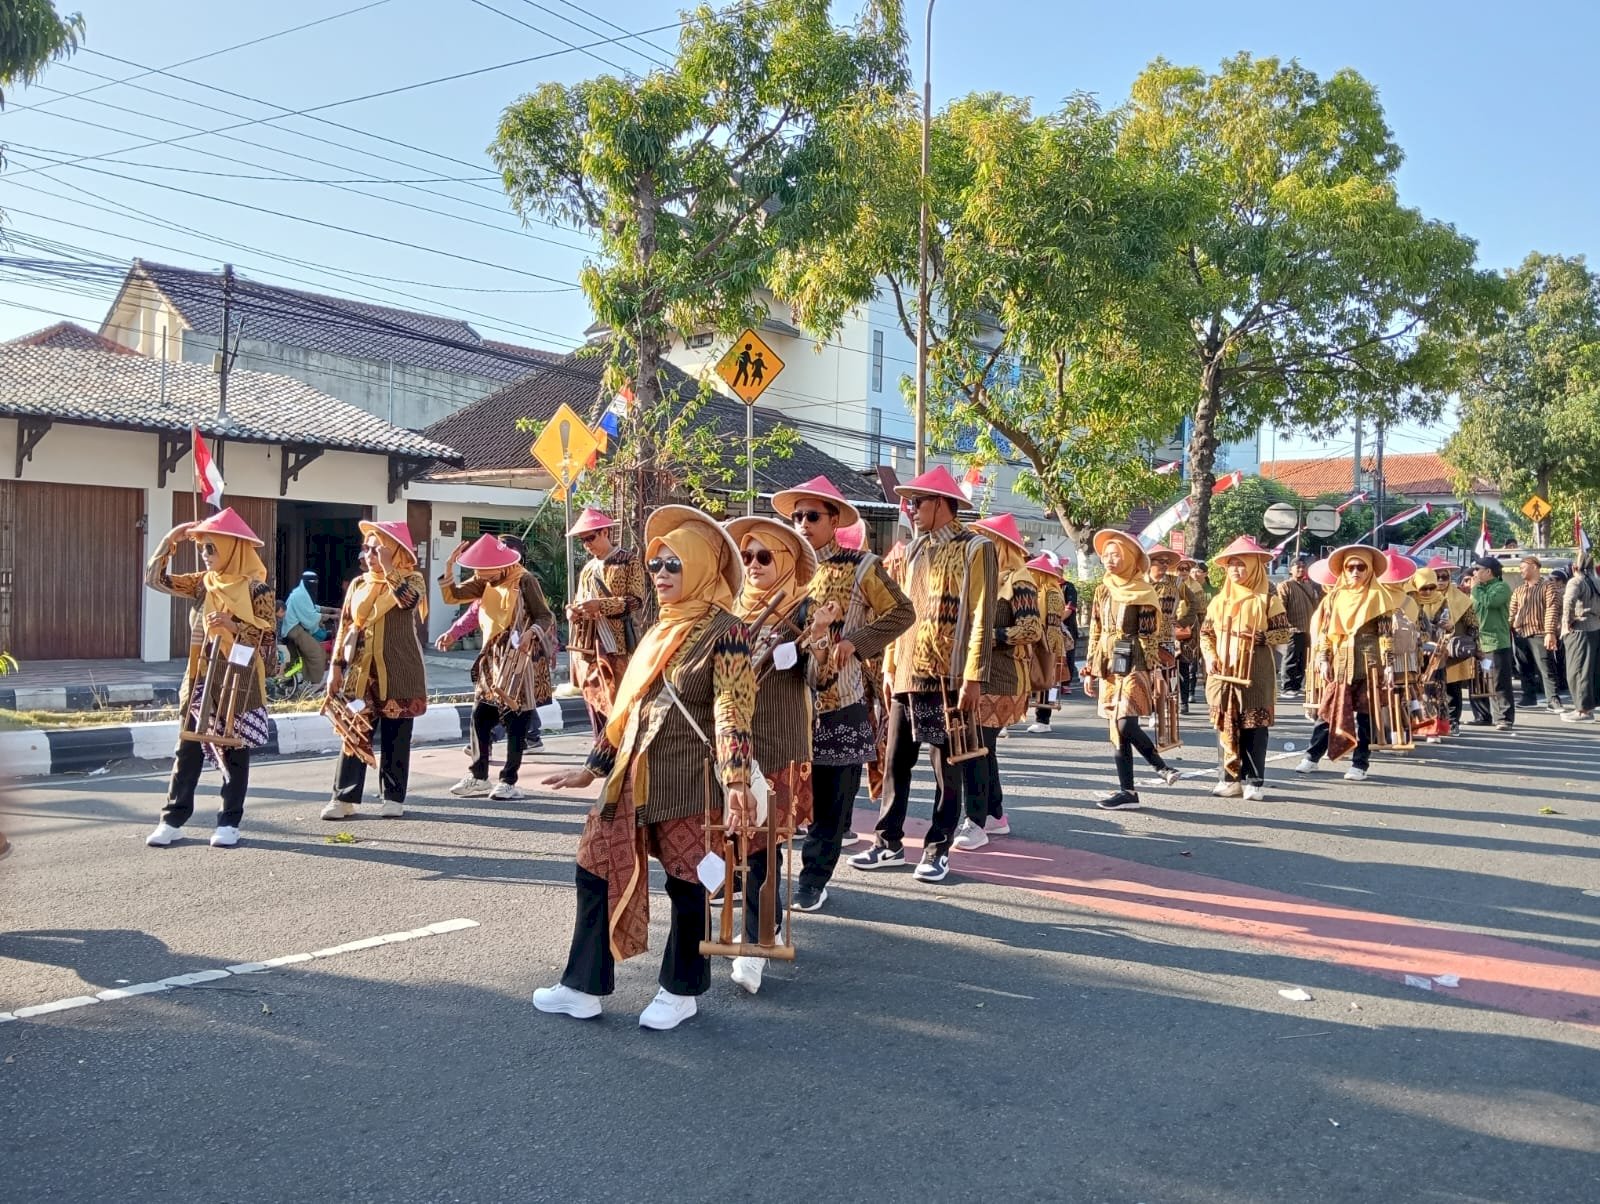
1406 515
1350 501
972 481
1580 537
207 476
1481 548
1438 533
1179 512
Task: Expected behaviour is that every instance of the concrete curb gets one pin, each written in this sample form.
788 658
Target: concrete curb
89 698
41 752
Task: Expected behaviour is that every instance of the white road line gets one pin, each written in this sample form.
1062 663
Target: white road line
194 978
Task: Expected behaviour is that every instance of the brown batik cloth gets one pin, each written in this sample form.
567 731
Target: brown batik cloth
1124 695
1001 710
790 789
1340 703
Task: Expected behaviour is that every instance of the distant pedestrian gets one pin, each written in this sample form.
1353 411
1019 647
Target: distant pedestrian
1299 595
301 629
1535 615
1491 598
1580 619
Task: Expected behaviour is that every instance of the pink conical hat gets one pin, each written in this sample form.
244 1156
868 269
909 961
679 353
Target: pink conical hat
785 500
488 553
1045 563
937 481
395 529
1163 553
1439 562
591 520
225 522
1319 572
1400 568
1005 527
854 536
1244 546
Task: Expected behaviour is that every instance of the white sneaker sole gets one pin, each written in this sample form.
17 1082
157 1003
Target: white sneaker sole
666 1025
338 811
576 1011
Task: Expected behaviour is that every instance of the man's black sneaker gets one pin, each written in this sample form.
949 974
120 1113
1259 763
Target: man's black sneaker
933 867
1122 800
809 898
878 857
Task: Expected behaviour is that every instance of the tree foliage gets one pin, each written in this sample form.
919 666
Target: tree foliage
1309 292
1530 409
693 178
33 35
1047 244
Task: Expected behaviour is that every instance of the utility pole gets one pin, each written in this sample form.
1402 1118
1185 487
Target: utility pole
1377 488
225 361
922 249
1355 470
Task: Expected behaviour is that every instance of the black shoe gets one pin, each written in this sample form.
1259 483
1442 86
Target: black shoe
1122 800
1480 723
879 856
932 868
809 898
1183 708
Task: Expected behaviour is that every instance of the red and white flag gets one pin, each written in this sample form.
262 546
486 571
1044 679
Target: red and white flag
207 476
1408 514
1167 469
1350 501
972 481
1438 533
1483 545
1580 537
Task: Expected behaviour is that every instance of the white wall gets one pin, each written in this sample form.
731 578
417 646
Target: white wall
452 504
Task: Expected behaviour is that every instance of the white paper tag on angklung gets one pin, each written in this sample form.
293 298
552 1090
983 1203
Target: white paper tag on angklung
1055 694
516 639
711 871
241 654
785 656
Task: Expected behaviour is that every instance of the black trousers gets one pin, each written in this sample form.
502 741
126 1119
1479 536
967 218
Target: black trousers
1500 706
1535 668
1042 715
1583 668
1188 675
1455 691
1294 662
833 804
903 753
985 797
1131 735
1361 757
1253 755
187 762
485 718
593 970
392 739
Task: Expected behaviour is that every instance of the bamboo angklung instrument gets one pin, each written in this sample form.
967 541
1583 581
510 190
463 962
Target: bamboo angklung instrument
224 691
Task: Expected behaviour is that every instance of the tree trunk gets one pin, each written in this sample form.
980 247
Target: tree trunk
1541 529
1203 444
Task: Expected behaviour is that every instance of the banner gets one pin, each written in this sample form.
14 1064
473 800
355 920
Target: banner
1438 533
1180 511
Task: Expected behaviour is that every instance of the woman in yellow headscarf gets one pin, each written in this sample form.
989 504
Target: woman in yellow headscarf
681 717
1245 613
1355 632
1448 622
235 608
1123 660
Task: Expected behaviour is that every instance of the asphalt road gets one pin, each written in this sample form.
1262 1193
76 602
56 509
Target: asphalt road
1088 1010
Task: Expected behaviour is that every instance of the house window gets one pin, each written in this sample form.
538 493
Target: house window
471 528
697 340
877 361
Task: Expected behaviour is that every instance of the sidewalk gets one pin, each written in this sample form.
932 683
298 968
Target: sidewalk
88 685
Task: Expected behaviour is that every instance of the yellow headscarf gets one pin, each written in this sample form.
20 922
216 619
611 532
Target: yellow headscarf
1425 580
752 598
497 609
1352 607
370 595
703 552
1246 604
1134 589
228 585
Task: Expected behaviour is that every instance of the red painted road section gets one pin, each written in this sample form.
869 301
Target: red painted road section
1494 972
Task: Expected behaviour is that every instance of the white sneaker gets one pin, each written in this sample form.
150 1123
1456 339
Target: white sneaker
564 1001
392 810
471 787
1307 765
1355 775
1005 733
224 837
747 973
667 1011
999 827
164 835
969 836
505 791
1227 790
338 810
1255 794
1036 729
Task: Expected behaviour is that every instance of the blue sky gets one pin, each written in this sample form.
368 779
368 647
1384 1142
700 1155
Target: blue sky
1483 99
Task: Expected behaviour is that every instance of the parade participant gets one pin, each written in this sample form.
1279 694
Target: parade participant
1069 624
1123 663
515 620
1449 624
1192 604
680 718
1532 635
234 607
1300 596
1245 609
1047 580
1356 629
942 660
377 660
778 566
871 610
301 628
1580 622
606 613
1168 584
1491 598
1018 629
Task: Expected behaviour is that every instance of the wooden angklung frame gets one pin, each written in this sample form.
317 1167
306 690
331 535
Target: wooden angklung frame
724 914
1386 711
224 694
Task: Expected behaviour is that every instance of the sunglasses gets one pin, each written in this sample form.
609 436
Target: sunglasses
208 549
808 516
588 537
756 556
924 498
1355 566
669 564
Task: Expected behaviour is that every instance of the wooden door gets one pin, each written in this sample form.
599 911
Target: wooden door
260 515
78 569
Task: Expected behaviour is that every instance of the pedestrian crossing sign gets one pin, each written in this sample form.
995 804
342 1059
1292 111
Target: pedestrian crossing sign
564 447
1537 508
749 367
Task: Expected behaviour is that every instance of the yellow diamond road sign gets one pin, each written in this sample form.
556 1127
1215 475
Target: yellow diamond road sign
1537 508
564 447
749 367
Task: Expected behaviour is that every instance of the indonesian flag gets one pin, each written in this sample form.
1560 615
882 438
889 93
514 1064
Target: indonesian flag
1350 501
1438 533
1167 469
207 476
972 481
1580 537
1483 545
1407 515
1180 510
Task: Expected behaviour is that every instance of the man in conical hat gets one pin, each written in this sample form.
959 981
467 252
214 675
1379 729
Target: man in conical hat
606 613
941 660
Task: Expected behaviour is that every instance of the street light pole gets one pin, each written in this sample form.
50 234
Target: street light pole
922 248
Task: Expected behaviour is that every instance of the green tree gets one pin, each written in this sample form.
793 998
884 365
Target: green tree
1238 511
1310 293
692 179
33 35
1047 244
1530 409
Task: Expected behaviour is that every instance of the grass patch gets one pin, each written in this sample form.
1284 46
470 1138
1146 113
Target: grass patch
116 716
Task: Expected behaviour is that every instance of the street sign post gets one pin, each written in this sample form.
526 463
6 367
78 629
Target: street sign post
563 448
748 368
1322 521
1536 508
1281 518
